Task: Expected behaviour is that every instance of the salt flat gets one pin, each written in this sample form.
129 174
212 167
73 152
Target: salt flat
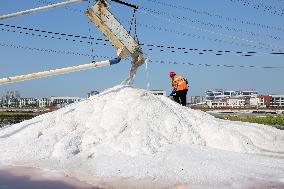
129 138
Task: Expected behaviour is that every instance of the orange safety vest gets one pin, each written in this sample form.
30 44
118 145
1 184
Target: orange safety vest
179 83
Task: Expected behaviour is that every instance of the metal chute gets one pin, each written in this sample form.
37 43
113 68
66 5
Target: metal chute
114 31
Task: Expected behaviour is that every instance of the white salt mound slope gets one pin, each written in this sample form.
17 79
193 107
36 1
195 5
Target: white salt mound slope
129 135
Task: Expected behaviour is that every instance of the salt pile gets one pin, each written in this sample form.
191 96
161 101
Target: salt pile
130 138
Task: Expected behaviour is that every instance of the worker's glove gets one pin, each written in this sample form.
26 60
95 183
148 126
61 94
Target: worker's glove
173 93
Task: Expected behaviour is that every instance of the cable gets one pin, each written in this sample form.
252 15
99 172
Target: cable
230 29
272 46
195 11
154 61
90 34
162 48
218 65
184 34
209 24
55 35
266 8
65 52
158 46
204 51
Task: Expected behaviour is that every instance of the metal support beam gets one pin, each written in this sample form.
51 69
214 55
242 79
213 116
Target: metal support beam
125 3
38 75
112 29
21 13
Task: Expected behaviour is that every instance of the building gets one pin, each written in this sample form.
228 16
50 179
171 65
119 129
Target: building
158 92
217 103
12 102
277 101
64 100
230 94
92 93
10 99
247 93
12 95
261 101
196 99
213 94
43 102
28 102
237 102
221 93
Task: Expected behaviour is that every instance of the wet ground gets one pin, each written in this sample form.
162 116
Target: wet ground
32 178
264 185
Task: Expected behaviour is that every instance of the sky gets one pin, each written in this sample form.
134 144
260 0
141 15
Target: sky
232 29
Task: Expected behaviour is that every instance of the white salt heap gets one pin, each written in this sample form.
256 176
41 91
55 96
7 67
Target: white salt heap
129 138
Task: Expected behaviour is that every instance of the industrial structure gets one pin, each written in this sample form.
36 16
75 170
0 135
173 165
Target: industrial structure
106 22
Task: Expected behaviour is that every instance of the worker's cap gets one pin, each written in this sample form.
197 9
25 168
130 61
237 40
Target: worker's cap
172 74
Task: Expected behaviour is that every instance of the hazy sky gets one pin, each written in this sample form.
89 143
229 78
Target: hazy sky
187 32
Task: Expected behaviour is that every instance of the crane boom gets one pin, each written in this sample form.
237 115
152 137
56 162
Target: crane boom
59 71
35 10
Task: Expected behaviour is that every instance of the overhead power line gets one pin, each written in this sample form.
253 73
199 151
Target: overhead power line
198 36
213 65
261 7
65 52
50 34
196 21
196 51
45 50
161 48
210 24
215 15
249 41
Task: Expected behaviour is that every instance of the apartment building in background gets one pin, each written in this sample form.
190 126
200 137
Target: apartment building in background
277 101
61 101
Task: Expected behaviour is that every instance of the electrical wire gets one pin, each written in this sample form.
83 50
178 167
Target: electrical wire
65 52
52 35
54 51
266 8
198 21
197 36
249 41
161 48
217 65
210 24
90 34
218 16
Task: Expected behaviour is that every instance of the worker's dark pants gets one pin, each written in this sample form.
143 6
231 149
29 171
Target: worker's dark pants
180 97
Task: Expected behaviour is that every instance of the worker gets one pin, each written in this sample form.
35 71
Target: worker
180 88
